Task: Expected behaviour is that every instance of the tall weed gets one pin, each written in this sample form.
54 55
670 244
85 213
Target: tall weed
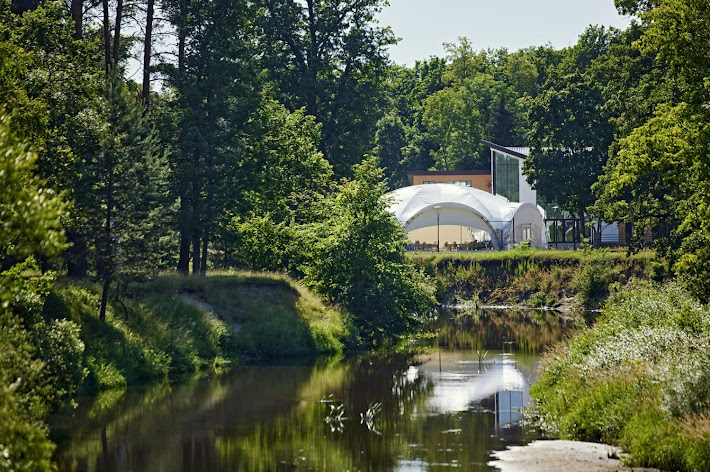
639 377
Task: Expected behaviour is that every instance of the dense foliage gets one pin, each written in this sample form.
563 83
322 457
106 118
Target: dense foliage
263 103
535 278
658 176
38 366
639 377
234 160
359 259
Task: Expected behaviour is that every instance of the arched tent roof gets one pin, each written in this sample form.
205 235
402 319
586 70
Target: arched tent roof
507 222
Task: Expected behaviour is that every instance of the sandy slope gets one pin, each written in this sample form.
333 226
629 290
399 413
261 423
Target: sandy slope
561 456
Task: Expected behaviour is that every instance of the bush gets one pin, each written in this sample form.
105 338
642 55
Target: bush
592 281
23 400
640 377
264 244
61 348
359 260
538 300
275 336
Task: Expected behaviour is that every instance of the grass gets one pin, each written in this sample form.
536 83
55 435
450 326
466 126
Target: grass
535 254
174 325
533 277
639 378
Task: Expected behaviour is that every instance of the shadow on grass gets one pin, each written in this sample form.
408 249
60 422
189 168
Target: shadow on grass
176 326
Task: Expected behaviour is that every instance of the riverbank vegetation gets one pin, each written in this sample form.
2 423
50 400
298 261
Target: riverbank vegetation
173 326
639 378
269 145
535 278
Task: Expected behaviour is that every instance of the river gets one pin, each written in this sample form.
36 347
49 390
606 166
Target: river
447 403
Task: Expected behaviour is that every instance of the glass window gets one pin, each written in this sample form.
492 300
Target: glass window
506 175
428 182
463 183
527 232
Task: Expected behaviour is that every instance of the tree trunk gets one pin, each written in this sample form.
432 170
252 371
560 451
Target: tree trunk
77 14
183 266
77 255
195 252
203 262
117 32
313 63
195 221
108 247
184 261
104 299
107 37
208 211
182 34
147 54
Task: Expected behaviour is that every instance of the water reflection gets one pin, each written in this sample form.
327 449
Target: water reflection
399 412
527 332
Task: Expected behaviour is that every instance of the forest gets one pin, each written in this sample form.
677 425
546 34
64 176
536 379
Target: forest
139 137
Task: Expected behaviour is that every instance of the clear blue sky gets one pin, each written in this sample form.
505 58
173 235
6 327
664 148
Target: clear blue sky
423 25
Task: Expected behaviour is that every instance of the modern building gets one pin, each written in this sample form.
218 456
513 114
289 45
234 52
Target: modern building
508 179
438 216
443 222
564 230
443 218
480 179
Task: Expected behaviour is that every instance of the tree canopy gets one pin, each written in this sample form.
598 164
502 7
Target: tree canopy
263 106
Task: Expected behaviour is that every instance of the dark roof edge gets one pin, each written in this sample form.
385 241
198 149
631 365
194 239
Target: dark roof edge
504 149
449 172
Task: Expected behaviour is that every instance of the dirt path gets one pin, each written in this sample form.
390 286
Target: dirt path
562 456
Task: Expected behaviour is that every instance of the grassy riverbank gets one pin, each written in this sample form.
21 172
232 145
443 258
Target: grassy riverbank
174 326
535 278
56 348
640 378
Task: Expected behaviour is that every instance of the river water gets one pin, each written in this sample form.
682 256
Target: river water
445 405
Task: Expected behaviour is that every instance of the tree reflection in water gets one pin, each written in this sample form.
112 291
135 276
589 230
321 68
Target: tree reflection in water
394 412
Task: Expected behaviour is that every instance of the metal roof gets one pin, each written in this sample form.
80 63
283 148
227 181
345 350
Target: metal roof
520 152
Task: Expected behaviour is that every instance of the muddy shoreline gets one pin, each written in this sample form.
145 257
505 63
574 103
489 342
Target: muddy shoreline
562 456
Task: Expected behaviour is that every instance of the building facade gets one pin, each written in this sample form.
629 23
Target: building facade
507 173
480 179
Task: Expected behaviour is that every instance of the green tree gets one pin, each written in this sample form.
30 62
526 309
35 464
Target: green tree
29 224
29 209
390 141
570 133
329 56
131 189
457 118
289 172
217 86
51 83
359 259
289 179
463 61
647 182
658 179
406 90
522 73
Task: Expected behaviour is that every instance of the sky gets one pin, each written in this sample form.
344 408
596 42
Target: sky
423 25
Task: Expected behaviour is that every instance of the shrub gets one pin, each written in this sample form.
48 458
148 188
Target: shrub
592 281
538 300
274 336
61 348
359 260
640 377
23 400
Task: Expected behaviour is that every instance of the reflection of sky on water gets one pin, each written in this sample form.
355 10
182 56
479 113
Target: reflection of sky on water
464 383
413 466
430 412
